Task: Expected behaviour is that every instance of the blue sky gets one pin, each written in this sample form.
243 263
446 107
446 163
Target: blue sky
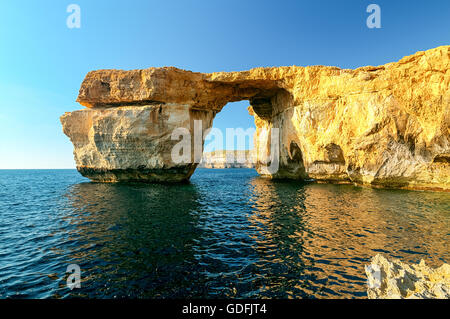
43 62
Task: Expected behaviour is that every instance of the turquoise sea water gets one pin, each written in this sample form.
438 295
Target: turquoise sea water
228 233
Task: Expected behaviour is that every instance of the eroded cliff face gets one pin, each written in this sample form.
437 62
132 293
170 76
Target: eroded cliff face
382 126
132 143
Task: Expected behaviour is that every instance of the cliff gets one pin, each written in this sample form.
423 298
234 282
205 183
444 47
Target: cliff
228 159
382 126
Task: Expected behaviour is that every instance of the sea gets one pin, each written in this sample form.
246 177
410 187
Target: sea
228 233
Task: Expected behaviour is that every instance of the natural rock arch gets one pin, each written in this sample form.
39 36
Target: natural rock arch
334 124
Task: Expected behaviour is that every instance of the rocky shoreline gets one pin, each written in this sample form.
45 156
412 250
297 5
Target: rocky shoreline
393 279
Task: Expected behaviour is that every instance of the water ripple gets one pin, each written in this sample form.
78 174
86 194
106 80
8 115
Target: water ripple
228 233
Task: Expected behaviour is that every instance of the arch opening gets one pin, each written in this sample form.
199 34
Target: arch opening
229 143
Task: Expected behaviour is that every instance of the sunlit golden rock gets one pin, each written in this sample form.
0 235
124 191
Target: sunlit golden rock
382 126
396 280
131 143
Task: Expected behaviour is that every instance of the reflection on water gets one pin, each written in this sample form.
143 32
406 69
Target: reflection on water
134 240
331 231
228 233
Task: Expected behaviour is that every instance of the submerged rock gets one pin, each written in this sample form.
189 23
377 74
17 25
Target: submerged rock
397 280
383 126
